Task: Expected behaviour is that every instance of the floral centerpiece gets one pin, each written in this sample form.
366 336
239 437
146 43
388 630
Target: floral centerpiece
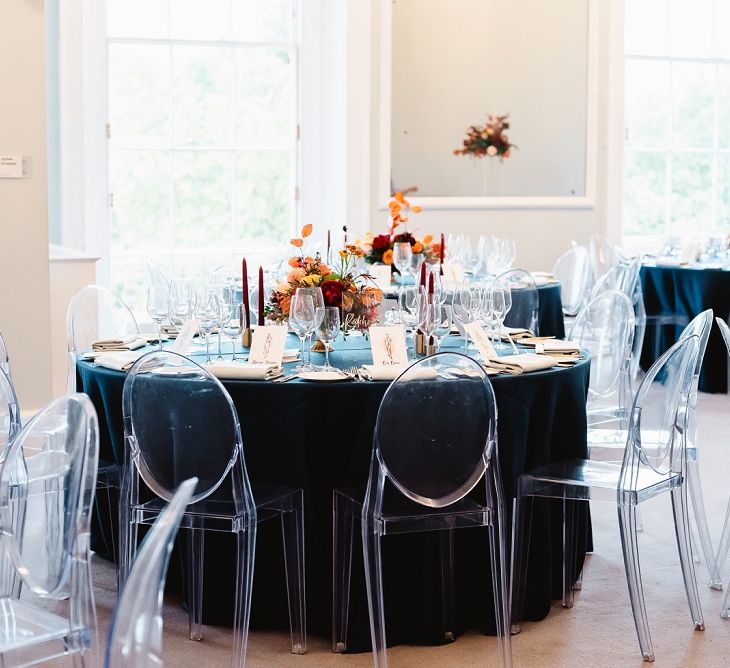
379 248
489 139
342 286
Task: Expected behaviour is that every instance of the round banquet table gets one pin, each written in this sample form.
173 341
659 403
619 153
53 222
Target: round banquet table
687 291
318 436
550 308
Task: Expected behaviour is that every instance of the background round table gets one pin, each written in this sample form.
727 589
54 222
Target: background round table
319 437
686 291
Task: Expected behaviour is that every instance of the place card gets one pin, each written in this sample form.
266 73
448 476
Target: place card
388 343
481 341
185 336
453 272
267 345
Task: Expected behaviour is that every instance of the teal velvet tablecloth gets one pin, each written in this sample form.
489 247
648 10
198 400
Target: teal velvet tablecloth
319 437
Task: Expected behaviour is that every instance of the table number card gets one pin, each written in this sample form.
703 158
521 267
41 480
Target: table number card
481 340
267 345
388 344
185 336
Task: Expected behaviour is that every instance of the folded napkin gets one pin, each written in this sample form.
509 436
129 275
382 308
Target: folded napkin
670 262
550 346
122 343
543 278
516 333
119 361
523 363
382 372
235 370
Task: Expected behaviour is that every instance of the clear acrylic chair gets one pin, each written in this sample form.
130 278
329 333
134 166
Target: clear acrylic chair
180 422
605 445
46 497
525 303
135 632
604 255
724 546
605 328
654 462
573 270
4 357
9 413
430 467
95 313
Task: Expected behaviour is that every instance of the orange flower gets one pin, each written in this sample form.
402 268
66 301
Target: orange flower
416 209
293 261
388 257
306 231
399 197
284 304
297 242
428 239
417 247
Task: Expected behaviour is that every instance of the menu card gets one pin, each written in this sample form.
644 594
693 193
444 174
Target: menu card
267 345
481 341
388 343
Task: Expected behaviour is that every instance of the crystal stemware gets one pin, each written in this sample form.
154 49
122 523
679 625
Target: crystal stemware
207 313
233 324
318 301
302 320
444 320
158 306
328 330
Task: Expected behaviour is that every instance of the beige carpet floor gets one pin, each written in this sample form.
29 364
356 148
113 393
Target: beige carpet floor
598 631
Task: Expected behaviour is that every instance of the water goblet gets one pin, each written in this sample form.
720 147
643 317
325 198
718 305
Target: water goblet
158 306
207 313
318 301
233 324
328 330
444 320
302 319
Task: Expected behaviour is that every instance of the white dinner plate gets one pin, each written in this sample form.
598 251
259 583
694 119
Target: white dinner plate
324 376
174 371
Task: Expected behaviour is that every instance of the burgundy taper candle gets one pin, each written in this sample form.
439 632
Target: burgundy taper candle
441 256
328 247
244 294
261 297
423 274
430 283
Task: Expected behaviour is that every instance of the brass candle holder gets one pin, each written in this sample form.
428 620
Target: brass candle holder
246 336
420 344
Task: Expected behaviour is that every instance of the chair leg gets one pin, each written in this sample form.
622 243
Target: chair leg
374 588
196 547
681 529
569 512
698 505
629 543
500 577
447 583
245 550
521 524
342 534
292 529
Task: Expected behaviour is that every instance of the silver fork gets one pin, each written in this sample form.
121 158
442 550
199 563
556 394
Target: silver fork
354 372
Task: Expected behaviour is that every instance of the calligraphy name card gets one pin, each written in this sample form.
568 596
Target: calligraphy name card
481 341
388 343
185 336
267 345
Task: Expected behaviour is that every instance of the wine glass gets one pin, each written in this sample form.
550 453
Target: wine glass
302 320
402 257
444 320
318 301
427 312
465 303
499 304
328 330
158 306
181 301
232 324
207 313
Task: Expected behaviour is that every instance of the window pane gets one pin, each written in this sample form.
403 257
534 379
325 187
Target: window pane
645 188
203 95
202 192
691 189
690 28
723 106
647 102
721 23
723 192
139 95
265 98
140 184
194 19
693 104
262 20
264 195
128 282
645 27
138 18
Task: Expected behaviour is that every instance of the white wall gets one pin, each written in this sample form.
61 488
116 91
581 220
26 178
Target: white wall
493 56
541 234
24 299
